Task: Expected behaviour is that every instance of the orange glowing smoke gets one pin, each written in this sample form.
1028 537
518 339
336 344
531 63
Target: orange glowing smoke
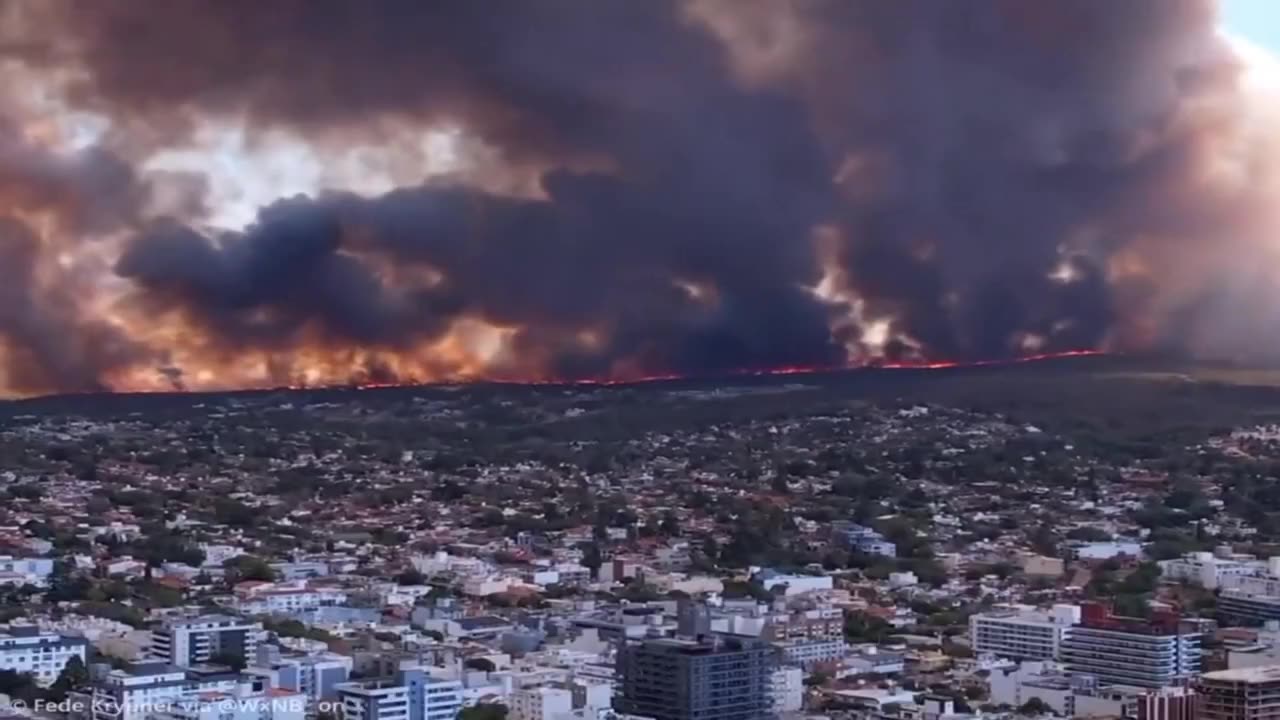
778 371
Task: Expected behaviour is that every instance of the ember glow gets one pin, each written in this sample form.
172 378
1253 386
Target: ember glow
228 194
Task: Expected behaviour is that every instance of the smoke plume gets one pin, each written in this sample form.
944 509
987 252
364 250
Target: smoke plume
627 188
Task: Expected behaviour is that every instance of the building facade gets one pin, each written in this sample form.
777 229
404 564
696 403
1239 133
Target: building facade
723 677
42 655
1150 653
1246 694
541 703
1245 608
191 641
411 694
1173 703
1022 633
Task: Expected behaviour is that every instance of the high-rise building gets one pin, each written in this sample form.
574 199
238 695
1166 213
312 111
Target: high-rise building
194 640
1244 694
719 677
1153 653
1022 633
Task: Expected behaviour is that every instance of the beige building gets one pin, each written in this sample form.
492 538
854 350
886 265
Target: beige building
1243 694
1042 566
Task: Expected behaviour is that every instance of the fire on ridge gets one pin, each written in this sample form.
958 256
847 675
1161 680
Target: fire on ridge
767 372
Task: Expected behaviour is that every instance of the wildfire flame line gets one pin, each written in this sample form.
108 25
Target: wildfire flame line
759 372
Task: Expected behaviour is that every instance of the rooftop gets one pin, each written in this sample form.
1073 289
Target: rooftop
1266 673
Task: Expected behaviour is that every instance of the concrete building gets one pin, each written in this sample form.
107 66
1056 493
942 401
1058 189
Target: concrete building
863 539
1247 608
786 686
316 676
795 584
723 677
1150 653
15 571
185 642
1042 566
374 700
818 623
1208 570
1172 703
1021 632
1246 694
543 702
871 660
1044 680
143 690
40 654
412 693
808 653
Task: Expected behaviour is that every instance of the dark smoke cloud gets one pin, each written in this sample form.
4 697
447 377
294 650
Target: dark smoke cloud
984 167
46 346
540 264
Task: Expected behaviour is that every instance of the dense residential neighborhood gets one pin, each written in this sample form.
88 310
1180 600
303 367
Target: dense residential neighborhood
586 553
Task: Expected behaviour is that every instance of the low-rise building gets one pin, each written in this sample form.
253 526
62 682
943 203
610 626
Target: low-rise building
15 571
43 655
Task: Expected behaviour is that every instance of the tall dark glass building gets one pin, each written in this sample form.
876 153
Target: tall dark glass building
716 677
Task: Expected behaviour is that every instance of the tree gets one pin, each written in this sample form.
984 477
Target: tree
234 513
248 567
484 711
863 627
1034 706
21 686
817 678
67 585
592 559
480 663
411 577
74 676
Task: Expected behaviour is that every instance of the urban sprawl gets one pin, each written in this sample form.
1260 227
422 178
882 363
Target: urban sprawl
676 552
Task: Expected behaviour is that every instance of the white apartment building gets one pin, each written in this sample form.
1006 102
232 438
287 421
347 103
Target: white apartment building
413 694
797 584
243 704
285 598
144 690
25 571
786 685
1021 632
374 701
315 675
442 699
1044 680
807 653
541 703
43 655
190 641
1213 572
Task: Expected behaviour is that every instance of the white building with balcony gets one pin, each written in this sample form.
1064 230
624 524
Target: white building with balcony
1022 632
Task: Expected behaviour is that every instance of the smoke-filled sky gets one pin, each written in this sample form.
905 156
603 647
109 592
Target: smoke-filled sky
232 193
